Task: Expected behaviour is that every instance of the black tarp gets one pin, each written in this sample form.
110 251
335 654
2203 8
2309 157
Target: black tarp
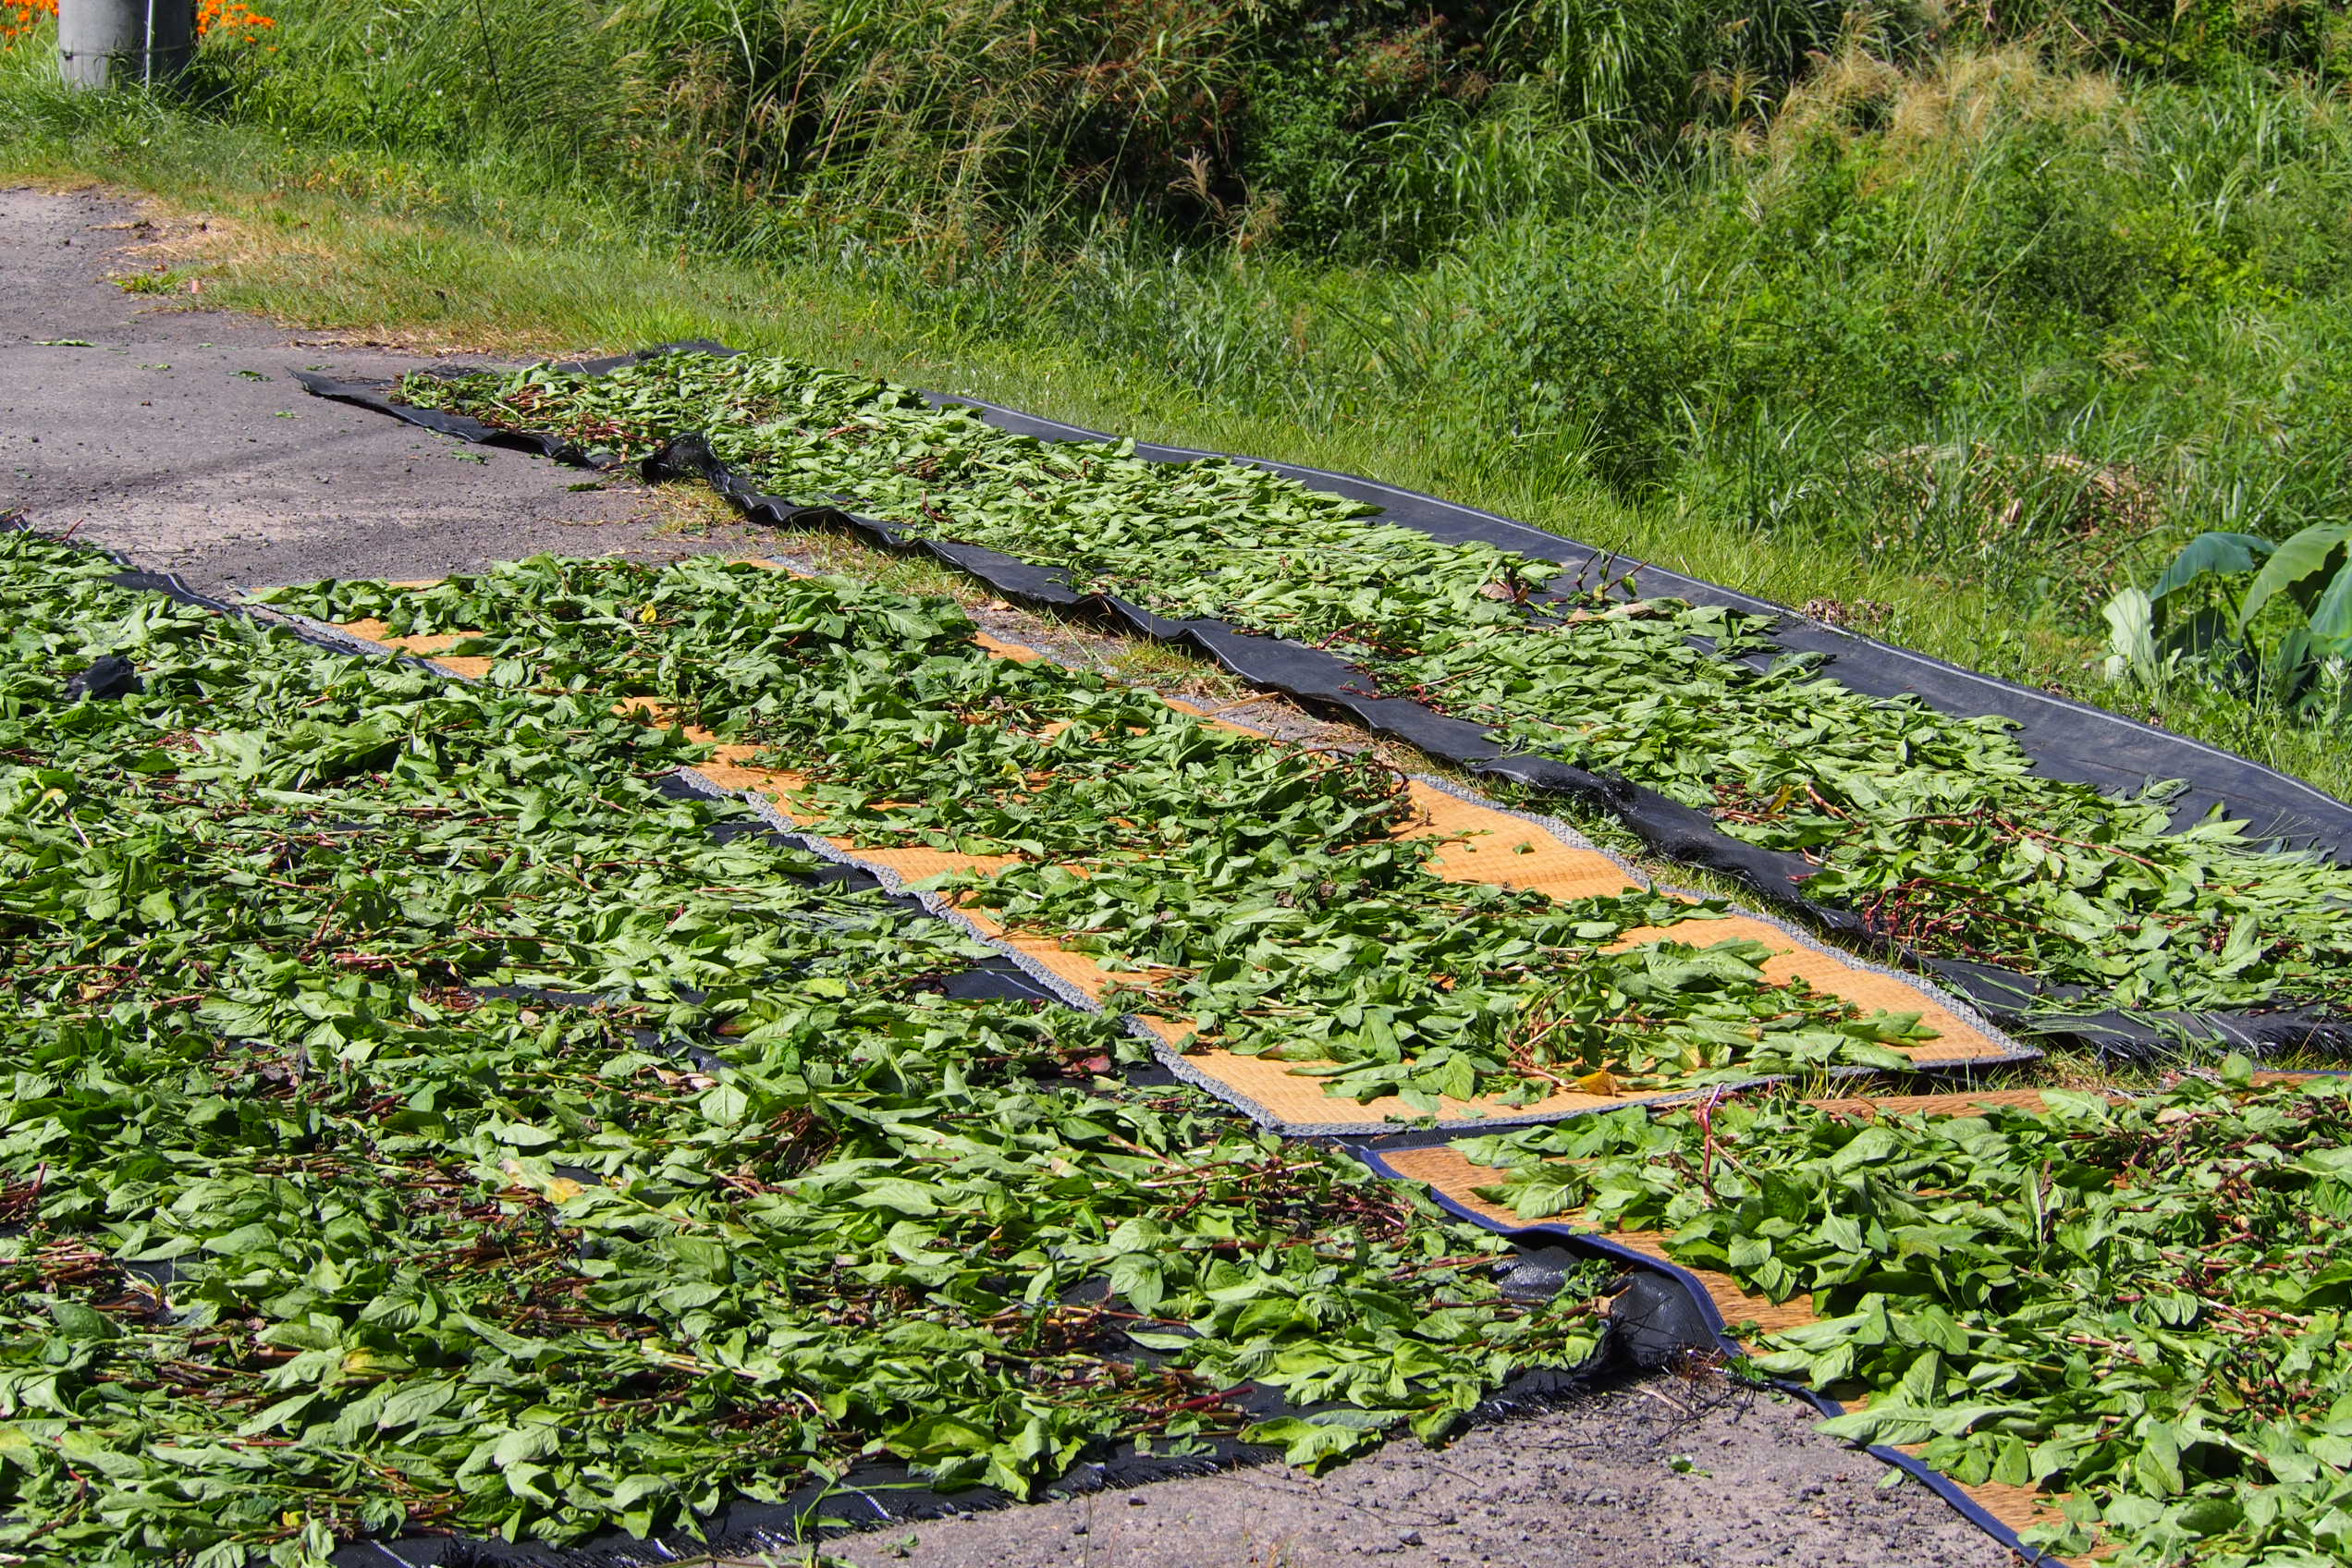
2065 738
870 1494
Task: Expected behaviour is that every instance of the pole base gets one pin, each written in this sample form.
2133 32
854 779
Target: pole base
106 43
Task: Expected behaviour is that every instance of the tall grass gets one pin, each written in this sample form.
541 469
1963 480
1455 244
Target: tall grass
1998 312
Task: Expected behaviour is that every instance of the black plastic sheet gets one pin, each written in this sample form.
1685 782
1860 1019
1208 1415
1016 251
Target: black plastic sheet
2065 738
874 1494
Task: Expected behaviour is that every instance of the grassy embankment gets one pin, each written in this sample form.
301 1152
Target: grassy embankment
1952 332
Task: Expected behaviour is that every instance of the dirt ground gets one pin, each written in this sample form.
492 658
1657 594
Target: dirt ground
178 437
1659 1473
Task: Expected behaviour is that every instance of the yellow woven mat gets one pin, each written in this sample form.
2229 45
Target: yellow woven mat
424 645
1482 844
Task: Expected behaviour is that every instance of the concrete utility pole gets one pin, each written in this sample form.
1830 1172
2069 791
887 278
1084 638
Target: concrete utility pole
125 43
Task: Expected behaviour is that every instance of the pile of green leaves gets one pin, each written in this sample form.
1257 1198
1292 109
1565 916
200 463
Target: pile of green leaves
306 1231
1257 890
2138 1303
1934 827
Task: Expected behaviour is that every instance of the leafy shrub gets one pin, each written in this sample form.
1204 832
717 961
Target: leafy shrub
2206 615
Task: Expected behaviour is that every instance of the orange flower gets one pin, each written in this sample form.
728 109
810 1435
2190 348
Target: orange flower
230 19
22 16
225 18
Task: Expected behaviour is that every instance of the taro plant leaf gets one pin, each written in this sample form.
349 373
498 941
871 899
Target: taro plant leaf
2330 614
2217 554
2300 568
2131 636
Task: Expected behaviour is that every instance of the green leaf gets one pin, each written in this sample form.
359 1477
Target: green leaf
2293 565
2330 613
2218 554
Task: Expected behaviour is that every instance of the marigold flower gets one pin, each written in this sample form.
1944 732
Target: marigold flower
224 19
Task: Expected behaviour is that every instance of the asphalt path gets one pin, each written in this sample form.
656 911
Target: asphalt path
178 436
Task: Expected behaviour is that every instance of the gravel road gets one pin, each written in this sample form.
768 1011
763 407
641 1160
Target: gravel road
1661 1472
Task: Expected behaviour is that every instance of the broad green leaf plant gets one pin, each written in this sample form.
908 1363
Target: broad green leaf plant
2273 621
